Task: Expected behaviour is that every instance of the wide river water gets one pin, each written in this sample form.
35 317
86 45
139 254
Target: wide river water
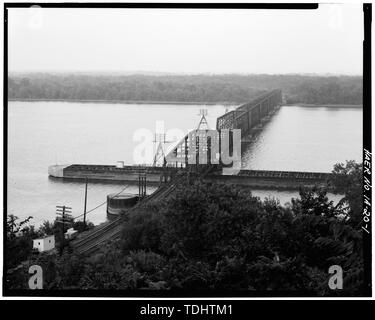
41 134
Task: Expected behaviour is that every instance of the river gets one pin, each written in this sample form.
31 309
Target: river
46 133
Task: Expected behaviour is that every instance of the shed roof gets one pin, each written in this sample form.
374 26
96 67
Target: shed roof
45 237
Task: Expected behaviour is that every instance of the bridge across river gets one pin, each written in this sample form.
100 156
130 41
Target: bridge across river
247 116
209 146
194 155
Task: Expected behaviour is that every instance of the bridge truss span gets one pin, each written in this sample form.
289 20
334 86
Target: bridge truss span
207 147
249 115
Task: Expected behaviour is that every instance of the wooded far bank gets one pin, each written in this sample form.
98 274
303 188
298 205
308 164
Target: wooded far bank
231 88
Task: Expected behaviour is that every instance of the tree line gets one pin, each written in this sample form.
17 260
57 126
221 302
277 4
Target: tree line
211 236
231 88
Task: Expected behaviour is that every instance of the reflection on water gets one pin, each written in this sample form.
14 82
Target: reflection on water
45 133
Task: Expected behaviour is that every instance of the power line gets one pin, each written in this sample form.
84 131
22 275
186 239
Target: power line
98 206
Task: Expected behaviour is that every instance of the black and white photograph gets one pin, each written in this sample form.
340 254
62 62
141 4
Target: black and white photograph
187 150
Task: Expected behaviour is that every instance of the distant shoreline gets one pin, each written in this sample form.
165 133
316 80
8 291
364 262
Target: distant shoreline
184 102
127 101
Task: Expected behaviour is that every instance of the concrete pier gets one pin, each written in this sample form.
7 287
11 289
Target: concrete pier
292 180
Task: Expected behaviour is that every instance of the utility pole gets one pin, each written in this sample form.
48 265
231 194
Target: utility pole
142 183
145 184
12 219
84 211
64 217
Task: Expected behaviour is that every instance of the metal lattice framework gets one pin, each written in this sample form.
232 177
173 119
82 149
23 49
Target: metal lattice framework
199 146
250 114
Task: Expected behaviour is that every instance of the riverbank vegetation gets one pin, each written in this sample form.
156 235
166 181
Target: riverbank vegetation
231 88
211 236
21 232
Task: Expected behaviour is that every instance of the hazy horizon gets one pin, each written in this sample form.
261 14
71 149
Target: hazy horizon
326 41
162 73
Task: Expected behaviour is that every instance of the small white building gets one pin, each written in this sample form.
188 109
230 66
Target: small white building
71 233
44 244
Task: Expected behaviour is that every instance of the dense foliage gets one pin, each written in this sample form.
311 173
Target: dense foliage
210 236
20 235
185 88
19 239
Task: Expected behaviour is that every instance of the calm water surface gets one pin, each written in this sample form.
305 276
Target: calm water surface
45 133
307 139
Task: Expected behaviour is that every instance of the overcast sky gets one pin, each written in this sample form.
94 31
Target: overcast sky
327 40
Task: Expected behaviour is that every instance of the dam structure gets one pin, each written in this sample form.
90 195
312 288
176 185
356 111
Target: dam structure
193 156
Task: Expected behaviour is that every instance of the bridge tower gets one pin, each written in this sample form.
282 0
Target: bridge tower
159 154
203 124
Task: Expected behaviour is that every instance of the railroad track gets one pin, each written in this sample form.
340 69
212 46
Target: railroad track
112 230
